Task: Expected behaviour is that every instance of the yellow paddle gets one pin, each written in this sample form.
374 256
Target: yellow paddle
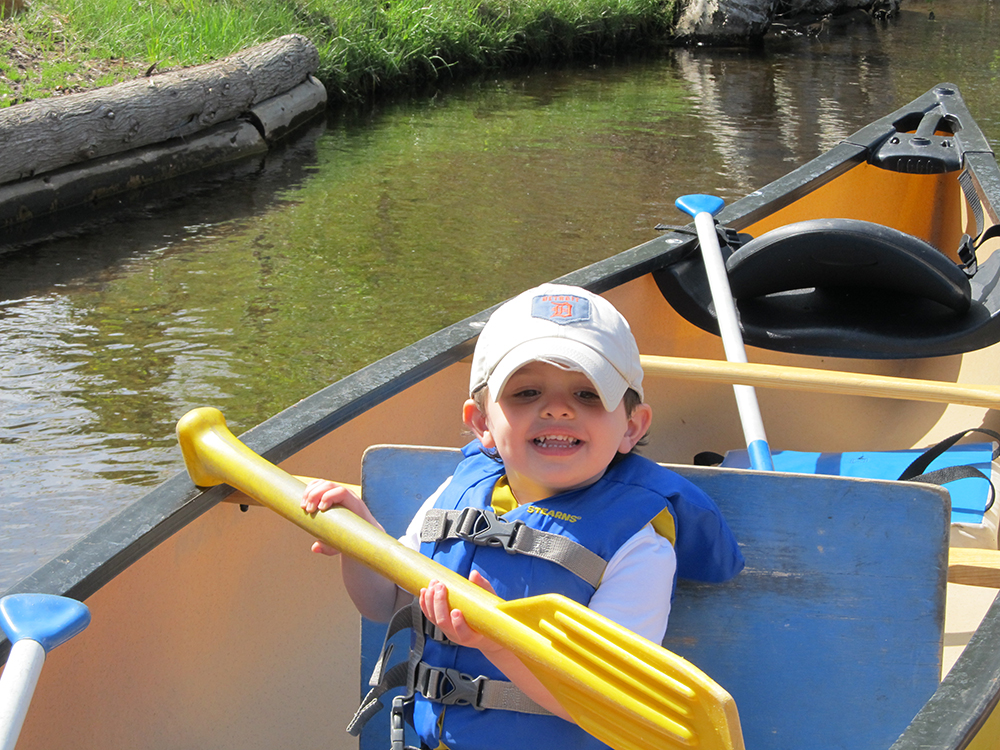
625 690
823 381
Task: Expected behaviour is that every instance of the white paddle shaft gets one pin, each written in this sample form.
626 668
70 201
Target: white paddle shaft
729 327
17 685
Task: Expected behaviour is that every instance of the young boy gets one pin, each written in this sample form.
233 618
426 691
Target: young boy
556 407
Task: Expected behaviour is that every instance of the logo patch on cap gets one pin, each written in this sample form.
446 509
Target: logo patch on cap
560 308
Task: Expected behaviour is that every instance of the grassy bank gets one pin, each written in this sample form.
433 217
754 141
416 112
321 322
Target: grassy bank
366 46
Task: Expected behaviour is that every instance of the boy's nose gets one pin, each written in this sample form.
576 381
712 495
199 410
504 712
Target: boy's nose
558 408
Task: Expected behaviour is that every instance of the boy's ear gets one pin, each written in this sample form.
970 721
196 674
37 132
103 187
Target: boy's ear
638 426
475 420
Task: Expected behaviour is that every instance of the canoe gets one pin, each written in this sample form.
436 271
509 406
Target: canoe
213 626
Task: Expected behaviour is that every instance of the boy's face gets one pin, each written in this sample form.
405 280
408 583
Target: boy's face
552 430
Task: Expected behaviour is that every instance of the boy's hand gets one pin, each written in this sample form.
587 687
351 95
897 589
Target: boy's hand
434 604
321 495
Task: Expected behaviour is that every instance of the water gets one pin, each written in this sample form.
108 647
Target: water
381 227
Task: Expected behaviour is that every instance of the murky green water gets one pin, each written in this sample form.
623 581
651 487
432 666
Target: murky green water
380 228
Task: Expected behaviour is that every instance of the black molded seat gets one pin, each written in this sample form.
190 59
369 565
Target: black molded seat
846 253
842 288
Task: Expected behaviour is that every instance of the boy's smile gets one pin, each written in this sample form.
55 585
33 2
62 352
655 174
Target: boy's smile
552 431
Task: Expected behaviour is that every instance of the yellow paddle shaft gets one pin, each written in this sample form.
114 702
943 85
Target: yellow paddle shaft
823 381
213 455
623 689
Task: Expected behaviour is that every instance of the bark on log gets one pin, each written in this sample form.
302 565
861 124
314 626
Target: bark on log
71 187
52 133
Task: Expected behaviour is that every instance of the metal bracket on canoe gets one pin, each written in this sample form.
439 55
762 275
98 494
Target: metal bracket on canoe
728 237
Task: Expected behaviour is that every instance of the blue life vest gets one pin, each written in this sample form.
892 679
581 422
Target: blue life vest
601 517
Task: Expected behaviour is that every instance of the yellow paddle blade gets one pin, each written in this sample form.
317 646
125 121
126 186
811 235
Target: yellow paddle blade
625 690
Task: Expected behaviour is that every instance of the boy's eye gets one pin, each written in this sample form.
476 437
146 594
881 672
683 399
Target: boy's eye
525 393
588 395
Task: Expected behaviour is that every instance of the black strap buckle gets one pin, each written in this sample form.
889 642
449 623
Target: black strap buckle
967 254
968 246
482 527
449 687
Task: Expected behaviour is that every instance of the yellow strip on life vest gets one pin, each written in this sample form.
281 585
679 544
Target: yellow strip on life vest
663 524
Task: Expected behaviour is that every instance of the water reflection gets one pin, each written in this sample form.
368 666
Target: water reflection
391 223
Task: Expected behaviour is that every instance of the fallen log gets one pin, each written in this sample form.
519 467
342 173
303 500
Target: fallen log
44 135
74 186
276 117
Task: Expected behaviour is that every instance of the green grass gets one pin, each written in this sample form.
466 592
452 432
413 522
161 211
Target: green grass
402 42
366 46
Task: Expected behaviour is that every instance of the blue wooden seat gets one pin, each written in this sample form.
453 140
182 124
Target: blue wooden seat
831 637
975 517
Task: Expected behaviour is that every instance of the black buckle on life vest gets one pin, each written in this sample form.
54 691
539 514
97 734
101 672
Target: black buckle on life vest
482 527
449 686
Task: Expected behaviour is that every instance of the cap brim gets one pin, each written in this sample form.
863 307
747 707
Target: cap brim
562 352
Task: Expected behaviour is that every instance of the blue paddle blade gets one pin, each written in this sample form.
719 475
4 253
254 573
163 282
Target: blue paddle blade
695 204
48 619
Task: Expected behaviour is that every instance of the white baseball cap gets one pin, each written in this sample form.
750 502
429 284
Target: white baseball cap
565 326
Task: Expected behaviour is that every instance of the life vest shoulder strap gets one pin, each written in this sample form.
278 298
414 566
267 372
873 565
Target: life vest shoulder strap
484 528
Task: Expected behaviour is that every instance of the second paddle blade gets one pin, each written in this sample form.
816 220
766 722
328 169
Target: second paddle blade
622 688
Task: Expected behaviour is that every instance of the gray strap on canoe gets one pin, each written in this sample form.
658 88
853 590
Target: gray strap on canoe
968 185
968 246
447 686
482 527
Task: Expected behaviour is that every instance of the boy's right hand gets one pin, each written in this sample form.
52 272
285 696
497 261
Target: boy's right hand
321 495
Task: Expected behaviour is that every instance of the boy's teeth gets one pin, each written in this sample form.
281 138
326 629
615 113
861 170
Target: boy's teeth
553 440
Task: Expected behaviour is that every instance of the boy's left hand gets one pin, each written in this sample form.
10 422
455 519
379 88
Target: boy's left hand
434 603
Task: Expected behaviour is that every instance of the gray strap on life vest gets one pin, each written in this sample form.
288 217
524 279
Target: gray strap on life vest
403 674
453 688
447 686
482 527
